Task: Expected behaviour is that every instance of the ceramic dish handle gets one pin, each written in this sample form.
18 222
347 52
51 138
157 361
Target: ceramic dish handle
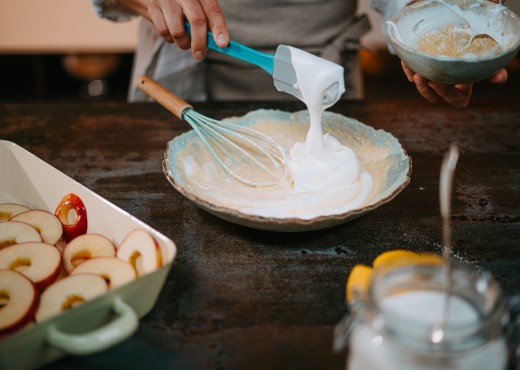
99 339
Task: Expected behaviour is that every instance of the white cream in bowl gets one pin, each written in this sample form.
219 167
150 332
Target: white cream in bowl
320 168
446 30
384 172
320 191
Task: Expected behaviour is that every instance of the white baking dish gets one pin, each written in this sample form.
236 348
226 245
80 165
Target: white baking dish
99 323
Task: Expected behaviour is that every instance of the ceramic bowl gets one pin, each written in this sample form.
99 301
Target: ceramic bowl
414 20
378 152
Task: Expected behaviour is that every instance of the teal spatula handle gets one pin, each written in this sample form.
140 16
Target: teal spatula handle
239 51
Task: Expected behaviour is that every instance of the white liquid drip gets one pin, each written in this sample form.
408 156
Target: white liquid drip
321 162
325 176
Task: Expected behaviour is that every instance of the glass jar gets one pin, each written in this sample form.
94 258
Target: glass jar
392 326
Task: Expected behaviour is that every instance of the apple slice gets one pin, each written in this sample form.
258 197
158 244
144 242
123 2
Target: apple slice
13 232
73 215
141 250
69 293
40 262
18 301
115 271
47 224
8 210
84 247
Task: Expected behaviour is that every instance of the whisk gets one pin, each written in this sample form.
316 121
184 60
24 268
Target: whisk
246 155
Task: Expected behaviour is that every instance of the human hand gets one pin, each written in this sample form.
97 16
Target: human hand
457 96
168 17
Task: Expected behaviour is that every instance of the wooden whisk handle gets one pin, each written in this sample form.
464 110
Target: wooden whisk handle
163 96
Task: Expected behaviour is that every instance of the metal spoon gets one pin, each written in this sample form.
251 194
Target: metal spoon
445 190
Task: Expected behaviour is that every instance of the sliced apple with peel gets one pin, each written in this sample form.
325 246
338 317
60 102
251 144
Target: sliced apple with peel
73 215
40 262
115 271
85 247
63 273
141 250
69 293
13 232
48 225
18 301
8 210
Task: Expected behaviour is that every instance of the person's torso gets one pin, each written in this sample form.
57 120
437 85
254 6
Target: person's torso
264 24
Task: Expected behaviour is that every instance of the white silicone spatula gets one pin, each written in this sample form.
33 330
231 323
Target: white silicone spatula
279 65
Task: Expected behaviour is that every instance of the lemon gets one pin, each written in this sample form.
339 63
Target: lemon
360 276
358 282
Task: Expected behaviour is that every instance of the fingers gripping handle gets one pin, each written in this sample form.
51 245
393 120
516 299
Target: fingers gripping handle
163 96
242 52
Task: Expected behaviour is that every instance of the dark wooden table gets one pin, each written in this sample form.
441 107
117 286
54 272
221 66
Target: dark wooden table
238 298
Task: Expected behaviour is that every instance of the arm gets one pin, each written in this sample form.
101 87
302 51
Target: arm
168 17
456 95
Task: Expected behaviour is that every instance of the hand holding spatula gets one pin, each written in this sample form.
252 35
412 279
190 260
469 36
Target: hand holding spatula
280 65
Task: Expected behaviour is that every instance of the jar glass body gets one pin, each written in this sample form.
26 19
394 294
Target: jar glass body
393 326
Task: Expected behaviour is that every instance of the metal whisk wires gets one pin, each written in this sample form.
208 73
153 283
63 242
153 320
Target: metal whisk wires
246 155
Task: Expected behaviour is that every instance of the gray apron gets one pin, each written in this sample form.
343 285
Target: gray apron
327 28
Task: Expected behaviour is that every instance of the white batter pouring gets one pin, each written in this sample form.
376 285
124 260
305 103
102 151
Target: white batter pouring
325 176
321 162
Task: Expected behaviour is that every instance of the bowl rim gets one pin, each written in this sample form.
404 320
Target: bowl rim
288 221
444 58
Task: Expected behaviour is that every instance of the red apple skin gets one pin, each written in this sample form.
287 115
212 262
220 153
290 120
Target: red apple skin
79 247
29 315
80 225
8 210
42 284
48 225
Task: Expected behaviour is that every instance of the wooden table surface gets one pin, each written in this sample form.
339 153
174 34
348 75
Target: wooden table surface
238 298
